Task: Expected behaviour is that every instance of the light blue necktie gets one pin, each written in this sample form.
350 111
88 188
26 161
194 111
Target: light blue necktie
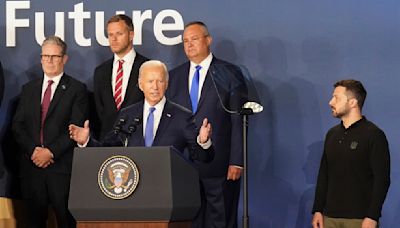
148 133
194 89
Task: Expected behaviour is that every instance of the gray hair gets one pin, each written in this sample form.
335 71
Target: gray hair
151 64
57 41
201 24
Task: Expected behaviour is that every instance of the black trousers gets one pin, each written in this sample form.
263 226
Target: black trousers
40 191
219 203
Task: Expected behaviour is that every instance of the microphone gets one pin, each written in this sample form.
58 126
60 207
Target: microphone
252 107
133 126
118 126
137 120
248 108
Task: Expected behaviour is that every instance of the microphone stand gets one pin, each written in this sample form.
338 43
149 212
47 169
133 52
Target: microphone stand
118 129
244 113
249 108
131 128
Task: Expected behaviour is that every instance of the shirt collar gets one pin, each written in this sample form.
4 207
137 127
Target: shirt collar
158 106
56 79
128 58
205 64
355 124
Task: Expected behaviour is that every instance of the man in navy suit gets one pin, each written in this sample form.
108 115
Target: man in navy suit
1 83
171 124
111 92
1 98
192 86
40 126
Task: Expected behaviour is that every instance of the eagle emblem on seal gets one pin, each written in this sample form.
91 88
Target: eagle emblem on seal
118 177
118 174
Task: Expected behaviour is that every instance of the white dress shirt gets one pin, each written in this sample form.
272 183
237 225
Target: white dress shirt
157 113
129 58
205 65
56 81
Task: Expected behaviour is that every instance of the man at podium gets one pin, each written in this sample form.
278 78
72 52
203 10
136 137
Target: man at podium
154 121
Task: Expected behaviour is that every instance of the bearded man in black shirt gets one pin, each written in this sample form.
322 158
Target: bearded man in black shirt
354 174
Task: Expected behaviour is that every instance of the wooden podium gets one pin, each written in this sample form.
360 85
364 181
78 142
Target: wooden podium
116 224
167 194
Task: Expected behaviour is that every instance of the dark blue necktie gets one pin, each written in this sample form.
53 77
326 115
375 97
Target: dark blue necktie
194 89
148 133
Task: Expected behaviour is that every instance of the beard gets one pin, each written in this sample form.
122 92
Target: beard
339 113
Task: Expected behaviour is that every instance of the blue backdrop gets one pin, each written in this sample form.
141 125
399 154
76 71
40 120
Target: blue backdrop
293 50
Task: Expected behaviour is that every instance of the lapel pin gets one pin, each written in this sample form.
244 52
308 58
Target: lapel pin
353 145
168 115
63 87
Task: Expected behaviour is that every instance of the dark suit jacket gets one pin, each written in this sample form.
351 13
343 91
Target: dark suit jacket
1 98
227 128
103 95
1 83
69 105
176 128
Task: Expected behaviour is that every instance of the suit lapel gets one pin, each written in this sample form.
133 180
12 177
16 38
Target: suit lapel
108 87
139 140
207 86
185 87
165 120
37 105
136 139
132 83
60 91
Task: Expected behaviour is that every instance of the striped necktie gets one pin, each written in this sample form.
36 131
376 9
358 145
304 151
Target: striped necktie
118 84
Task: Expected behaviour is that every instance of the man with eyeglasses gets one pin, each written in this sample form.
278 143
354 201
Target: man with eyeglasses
115 82
191 85
40 126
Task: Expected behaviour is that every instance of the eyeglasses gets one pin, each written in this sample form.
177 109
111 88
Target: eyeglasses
194 39
51 57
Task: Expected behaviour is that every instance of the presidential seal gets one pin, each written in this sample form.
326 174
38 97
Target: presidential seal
118 177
